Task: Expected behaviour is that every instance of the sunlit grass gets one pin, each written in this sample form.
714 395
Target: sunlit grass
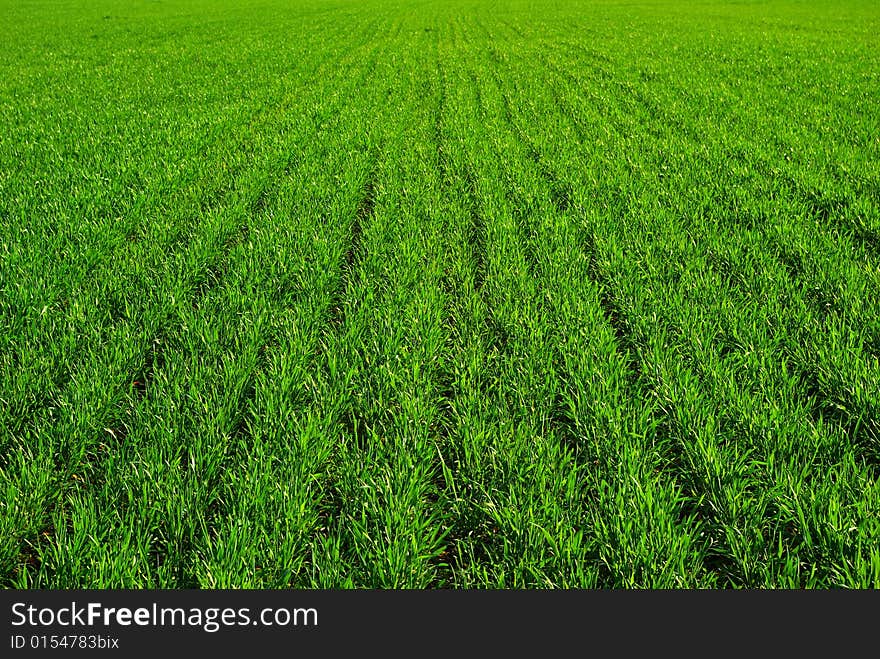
440 294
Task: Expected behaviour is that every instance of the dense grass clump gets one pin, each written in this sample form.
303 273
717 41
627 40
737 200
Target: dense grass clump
444 293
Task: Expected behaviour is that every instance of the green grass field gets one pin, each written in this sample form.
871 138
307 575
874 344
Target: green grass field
441 293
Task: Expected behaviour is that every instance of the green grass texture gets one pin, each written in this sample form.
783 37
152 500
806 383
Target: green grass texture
439 294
